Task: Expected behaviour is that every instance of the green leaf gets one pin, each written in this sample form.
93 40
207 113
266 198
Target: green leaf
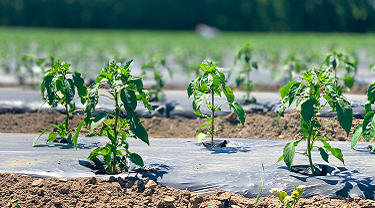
282 111
202 126
136 159
92 100
288 154
334 151
51 137
307 110
368 107
371 93
129 99
199 98
285 90
228 94
324 154
337 153
239 112
344 115
280 158
50 87
293 92
37 137
349 82
69 90
193 85
201 136
97 121
138 129
81 88
356 134
368 128
75 137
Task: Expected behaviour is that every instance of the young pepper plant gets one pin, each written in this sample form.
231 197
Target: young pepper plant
126 90
243 76
333 60
367 128
59 87
317 84
206 85
155 63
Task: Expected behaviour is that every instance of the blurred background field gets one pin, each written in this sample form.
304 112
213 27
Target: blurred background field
282 33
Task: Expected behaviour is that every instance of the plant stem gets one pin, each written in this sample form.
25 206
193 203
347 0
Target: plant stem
309 150
67 118
248 86
115 131
212 117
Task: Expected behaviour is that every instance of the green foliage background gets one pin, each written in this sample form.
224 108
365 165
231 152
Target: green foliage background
236 15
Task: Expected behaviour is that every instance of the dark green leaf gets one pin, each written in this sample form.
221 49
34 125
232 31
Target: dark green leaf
138 129
81 88
239 112
307 110
136 159
371 93
293 92
368 107
69 90
129 99
344 115
288 154
368 128
356 134
285 90
324 154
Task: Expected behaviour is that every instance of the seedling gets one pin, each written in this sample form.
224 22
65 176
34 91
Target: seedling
126 90
295 196
243 76
317 85
293 66
334 59
367 128
155 63
205 86
61 86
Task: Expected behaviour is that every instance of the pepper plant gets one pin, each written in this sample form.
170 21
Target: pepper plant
334 59
244 56
367 128
126 90
206 85
308 96
59 86
155 63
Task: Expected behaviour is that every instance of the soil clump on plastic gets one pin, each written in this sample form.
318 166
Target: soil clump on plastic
121 193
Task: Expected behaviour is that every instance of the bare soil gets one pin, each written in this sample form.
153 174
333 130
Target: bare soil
119 192
257 125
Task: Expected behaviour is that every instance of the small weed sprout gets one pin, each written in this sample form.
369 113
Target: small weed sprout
317 85
61 89
155 63
206 85
295 196
243 76
126 90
